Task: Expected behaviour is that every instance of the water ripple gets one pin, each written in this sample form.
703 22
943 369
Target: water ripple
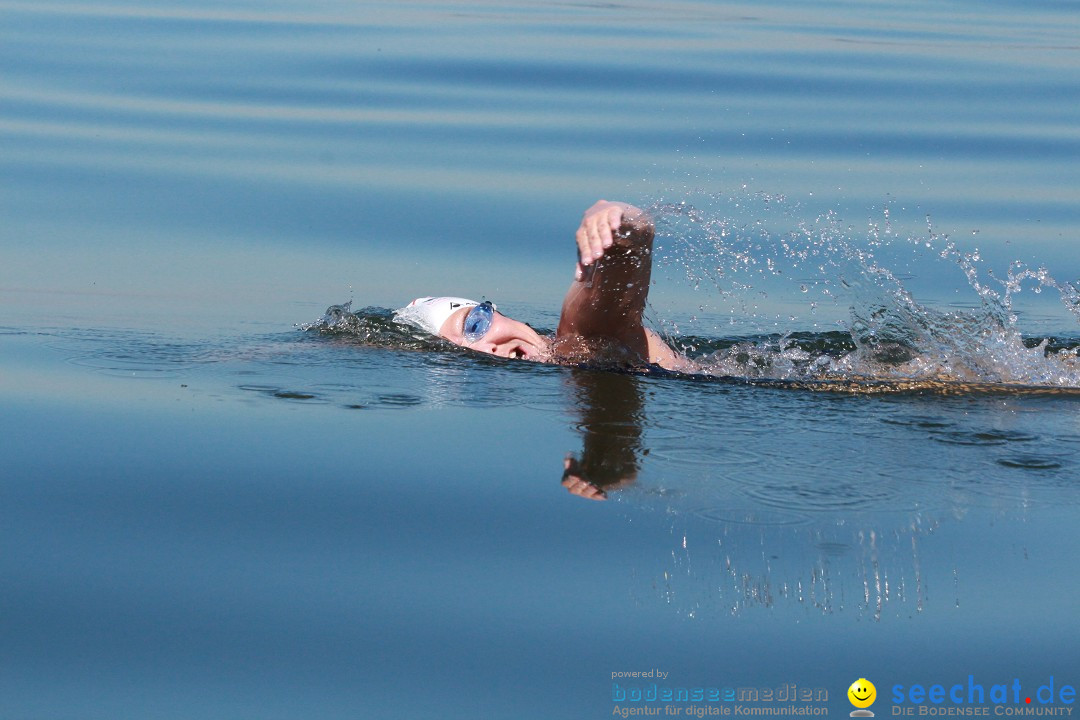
755 516
1030 462
982 437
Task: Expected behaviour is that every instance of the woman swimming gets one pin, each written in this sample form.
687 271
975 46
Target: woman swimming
602 313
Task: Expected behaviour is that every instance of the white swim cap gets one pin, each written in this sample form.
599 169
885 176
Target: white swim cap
429 313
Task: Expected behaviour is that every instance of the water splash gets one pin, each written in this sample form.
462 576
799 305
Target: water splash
888 336
370 326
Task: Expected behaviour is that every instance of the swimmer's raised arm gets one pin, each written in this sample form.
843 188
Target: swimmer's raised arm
606 301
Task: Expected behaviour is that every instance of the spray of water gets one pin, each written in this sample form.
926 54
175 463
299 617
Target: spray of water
886 336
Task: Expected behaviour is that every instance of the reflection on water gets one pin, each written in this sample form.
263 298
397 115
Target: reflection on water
833 529
344 488
866 571
742 558
609 409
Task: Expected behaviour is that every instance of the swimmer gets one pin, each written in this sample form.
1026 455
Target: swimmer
602 312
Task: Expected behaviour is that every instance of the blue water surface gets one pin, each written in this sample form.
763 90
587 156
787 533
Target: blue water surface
209 512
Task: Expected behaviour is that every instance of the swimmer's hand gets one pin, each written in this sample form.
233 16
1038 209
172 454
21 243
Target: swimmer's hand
576 484
605 225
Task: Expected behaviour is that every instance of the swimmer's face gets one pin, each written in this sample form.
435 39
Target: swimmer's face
505 338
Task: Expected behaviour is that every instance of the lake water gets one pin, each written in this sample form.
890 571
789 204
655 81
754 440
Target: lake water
219 503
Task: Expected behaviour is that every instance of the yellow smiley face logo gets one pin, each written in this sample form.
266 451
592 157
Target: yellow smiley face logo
862 693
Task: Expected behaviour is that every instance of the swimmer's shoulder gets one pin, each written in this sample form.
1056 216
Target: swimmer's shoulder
573 349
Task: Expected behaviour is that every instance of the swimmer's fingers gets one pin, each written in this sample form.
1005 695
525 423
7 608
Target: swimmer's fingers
576 484
604 224
596 231
589 241
583 488
584 249
615 217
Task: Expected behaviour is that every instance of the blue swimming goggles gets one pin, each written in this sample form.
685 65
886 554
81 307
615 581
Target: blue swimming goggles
478 321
